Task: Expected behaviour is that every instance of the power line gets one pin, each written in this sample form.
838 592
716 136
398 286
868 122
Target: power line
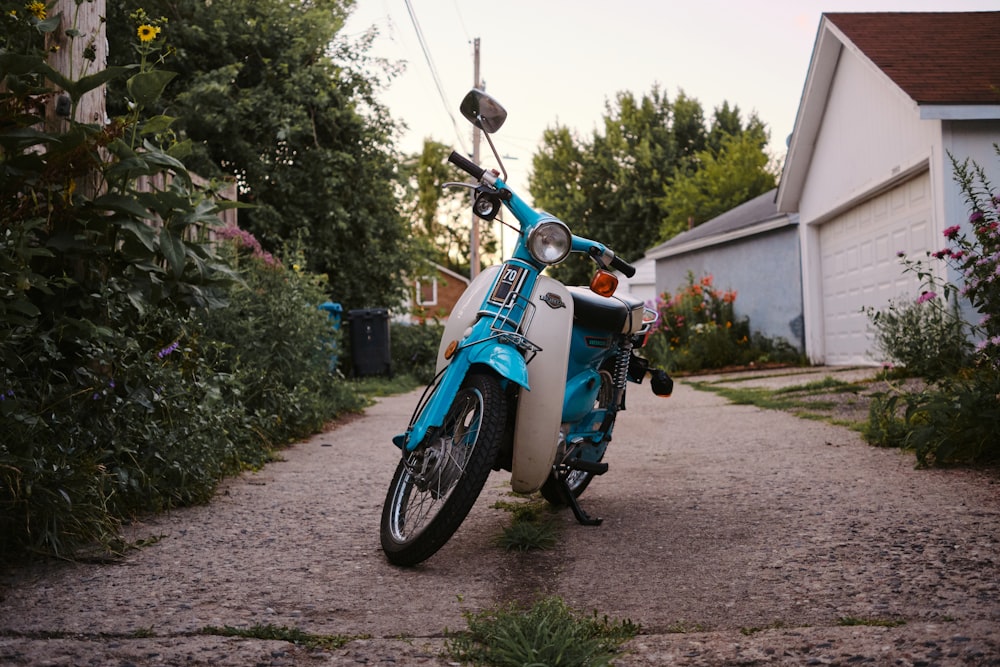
434 73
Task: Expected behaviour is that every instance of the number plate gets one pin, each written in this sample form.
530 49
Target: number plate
510 281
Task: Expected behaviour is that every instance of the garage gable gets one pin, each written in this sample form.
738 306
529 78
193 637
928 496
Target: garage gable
887 97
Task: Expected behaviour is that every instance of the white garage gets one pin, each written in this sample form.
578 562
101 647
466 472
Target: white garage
888 99
860 264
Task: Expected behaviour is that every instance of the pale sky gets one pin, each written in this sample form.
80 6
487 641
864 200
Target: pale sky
560 61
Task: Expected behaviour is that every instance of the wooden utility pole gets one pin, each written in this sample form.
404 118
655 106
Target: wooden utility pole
476 136
78 56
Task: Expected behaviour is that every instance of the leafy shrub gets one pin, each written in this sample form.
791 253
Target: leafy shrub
137 366
275 346
956 418
924 336
698 330
956 421
415 348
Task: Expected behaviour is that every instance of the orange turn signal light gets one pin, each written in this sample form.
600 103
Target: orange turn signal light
604 283
449 351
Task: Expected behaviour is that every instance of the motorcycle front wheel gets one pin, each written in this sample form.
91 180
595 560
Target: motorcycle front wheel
436 485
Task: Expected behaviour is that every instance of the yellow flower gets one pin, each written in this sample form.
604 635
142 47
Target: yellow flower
147 33
37 9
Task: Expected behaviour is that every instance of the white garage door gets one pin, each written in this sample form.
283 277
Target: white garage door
861 267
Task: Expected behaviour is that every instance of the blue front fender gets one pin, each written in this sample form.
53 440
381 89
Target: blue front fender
504 359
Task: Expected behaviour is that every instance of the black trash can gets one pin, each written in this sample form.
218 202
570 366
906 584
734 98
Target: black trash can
370 351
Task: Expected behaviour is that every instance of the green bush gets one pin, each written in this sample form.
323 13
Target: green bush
415 349
137 365
955 419
925 337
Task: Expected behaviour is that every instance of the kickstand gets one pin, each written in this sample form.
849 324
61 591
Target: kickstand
574 504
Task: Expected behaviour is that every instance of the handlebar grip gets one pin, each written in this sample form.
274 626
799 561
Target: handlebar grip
466 165
623 266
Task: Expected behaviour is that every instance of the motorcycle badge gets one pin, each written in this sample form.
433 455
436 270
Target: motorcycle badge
553 300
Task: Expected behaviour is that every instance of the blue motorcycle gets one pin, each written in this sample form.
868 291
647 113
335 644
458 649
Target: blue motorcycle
531 374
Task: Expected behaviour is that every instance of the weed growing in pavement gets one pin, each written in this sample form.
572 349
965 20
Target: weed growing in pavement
776 625
282 633
682 627
807 401
547 633
528 536
529 529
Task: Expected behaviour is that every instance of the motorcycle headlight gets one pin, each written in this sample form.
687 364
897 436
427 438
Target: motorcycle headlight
550 242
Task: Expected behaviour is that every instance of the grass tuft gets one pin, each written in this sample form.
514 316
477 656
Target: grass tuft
548 633
281 633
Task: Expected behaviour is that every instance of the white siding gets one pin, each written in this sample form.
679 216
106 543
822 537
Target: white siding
870 133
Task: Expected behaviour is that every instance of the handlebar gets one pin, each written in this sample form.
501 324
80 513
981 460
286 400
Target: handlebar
466 165
474 170
623 266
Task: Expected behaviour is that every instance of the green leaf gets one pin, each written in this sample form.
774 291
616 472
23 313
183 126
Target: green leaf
121 204
142 232
78 89
145 88
157 124
50 24
181 149
172 247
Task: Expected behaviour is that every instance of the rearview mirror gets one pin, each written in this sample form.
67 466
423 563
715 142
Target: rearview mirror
483 111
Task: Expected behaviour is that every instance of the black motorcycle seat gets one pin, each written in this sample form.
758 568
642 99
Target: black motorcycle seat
615 314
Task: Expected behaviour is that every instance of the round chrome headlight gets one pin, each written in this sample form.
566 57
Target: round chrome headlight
550 242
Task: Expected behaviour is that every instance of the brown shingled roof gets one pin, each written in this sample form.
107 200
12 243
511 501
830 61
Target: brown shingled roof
934 57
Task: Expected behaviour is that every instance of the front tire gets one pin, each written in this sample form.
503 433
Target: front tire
436 485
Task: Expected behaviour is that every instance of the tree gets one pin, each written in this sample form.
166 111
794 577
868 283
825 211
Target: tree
440 218
268 96
611 188
721 178
607 189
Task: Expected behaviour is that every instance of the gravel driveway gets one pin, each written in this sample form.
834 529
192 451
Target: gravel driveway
733 535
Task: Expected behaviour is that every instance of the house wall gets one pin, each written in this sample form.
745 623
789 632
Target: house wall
643 284
871 133
763 269
871 140
972 139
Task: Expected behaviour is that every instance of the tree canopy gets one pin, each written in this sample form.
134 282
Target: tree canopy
269 96
440 218
617 186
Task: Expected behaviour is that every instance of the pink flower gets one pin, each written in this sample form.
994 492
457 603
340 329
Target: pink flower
951 232
925 296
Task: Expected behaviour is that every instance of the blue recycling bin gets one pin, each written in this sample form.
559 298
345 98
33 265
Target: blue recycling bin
335 314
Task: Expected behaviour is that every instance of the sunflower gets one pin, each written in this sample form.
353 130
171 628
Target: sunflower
147 33
37 9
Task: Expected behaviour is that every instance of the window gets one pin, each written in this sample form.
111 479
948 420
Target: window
427 292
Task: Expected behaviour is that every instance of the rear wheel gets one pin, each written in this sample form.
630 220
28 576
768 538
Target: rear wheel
577 480
436 485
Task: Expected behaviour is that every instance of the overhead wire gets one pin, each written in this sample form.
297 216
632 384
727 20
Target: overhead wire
434 73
